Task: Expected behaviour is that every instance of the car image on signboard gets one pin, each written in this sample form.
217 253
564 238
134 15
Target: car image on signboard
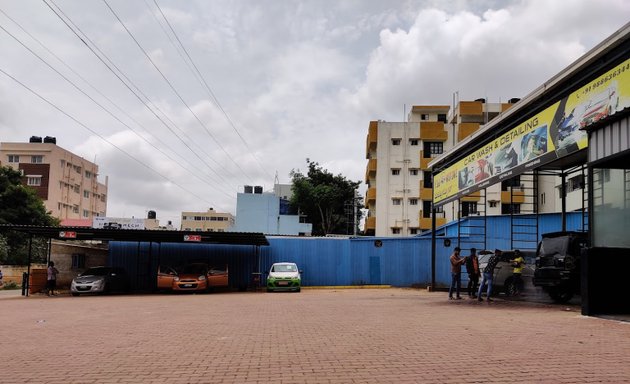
284 277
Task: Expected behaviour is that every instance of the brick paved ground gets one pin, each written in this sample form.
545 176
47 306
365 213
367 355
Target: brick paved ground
317 336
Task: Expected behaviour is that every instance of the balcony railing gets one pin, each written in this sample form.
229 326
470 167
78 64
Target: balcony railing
370 169
370 196
433 130
371 139
517 196
425 193
426 222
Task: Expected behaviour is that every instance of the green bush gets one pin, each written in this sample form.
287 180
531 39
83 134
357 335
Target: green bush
10 285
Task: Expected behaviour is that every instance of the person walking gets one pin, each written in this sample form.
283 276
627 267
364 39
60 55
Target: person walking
472 267
488 273
518 263
456 273
51 278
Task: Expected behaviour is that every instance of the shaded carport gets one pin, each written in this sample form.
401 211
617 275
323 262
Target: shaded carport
545 134
143 276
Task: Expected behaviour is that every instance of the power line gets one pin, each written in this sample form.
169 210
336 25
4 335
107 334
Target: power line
100 136
175 90
100 105
209 90
102 57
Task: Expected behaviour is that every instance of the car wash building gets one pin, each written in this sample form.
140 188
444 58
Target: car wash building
576 122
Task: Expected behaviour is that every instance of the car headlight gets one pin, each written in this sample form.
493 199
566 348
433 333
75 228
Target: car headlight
201 278
176 278
98 283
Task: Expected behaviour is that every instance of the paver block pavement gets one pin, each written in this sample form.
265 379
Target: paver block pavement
316 336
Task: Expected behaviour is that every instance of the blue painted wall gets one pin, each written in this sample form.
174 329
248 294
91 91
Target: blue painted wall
328 261
260 212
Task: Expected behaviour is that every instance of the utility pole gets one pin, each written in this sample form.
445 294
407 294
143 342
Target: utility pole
351 216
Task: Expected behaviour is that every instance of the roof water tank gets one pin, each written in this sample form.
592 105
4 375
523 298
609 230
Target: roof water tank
35 139
248 189
482 100
50 139
151 215
258 189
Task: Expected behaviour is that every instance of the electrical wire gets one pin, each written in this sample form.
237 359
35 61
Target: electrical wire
175 90
209 90
120 74
35 93
187 169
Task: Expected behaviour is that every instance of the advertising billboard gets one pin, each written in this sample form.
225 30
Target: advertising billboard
551 134
117 223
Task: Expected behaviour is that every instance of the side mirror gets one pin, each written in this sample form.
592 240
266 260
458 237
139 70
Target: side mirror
301 271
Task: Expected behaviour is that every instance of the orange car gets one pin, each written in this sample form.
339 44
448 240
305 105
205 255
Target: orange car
193 277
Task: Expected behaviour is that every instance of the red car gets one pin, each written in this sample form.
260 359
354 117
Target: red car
600 106
194 277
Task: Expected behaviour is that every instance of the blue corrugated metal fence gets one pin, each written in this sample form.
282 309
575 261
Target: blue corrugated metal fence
325 261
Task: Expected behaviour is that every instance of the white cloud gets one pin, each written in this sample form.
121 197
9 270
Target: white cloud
299 79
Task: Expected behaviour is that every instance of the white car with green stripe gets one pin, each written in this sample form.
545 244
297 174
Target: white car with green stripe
284 277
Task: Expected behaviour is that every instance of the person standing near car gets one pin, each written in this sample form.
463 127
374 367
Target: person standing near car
472 267
456 273
518 262
488 274
51 278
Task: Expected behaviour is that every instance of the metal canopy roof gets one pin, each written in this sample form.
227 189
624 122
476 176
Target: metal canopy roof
145 235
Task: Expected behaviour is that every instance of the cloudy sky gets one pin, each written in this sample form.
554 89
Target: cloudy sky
182 103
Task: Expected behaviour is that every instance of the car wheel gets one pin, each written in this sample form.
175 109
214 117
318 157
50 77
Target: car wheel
510 287
75 294
560 295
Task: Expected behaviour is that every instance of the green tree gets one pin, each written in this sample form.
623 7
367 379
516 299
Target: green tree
20 205
325 199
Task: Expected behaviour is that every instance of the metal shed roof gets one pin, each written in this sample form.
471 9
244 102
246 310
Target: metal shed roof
156 236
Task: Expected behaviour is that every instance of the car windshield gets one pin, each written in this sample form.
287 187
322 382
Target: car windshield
194 269
284 268
554 245
101 271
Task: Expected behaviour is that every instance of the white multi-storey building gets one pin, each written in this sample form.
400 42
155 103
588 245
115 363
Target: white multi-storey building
400 186
399 181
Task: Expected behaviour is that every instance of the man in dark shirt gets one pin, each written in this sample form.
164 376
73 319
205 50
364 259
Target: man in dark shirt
456 273
488 273
472 267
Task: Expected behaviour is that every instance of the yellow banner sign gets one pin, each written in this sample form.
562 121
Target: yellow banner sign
546 136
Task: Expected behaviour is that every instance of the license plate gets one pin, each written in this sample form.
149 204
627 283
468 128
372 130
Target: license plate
187 285
283 283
